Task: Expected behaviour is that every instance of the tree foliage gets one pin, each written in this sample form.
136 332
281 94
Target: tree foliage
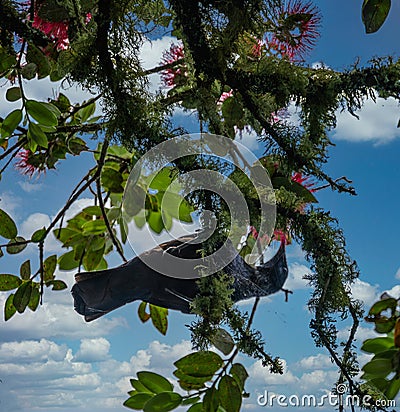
238 65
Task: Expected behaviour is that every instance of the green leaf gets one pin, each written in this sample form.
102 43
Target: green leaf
41 112
9 308
190 381
57 284
8 229
68 236
14 248
111 180
13 94
155 222
35 55
67 261
185 208
94 227
382 305
36 134
159 317
197 407
86 112
384 325
376 345
230 395
200 364
136 384
93 211
223 341
143 315
6 62
295 188
374 13
378 367
23 296
49 267
92 258
211 400
38 236
10 123
162 179
34 300
133 201
239 373
393 389
154 382
138 401
190 401
232 110
387 354
29 71
163 402
25 270
9 282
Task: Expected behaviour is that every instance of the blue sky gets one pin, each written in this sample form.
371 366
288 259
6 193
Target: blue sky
53 361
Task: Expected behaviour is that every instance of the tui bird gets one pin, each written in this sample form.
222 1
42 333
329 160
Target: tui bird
97 293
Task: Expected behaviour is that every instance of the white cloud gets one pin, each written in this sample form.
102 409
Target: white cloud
34 222
365 292
397 275
295 279
30 351
317 381
29 187
319 361
93 350
248 139
377 123
395 291
52 376
261 375
151 55
361 334
10 203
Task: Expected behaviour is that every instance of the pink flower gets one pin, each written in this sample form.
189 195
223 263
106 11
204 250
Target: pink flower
57 31
173 75
257 48
281 236
225 95
299 178
296 29
26 165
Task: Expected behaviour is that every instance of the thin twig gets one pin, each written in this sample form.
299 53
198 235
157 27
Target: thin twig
333 181
107 222
41 270
162 67
18 145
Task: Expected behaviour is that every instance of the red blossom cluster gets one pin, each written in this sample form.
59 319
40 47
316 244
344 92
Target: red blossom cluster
57 31
25 163
171 76
296 29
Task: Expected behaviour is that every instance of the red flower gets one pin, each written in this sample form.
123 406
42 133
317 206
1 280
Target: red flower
225 95
173 75
296 28
26 165
299 178
281 236
57 31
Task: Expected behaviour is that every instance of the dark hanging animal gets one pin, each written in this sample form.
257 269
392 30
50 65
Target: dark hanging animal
97 293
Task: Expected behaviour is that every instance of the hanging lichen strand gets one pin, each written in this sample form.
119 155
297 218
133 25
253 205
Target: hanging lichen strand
239 65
